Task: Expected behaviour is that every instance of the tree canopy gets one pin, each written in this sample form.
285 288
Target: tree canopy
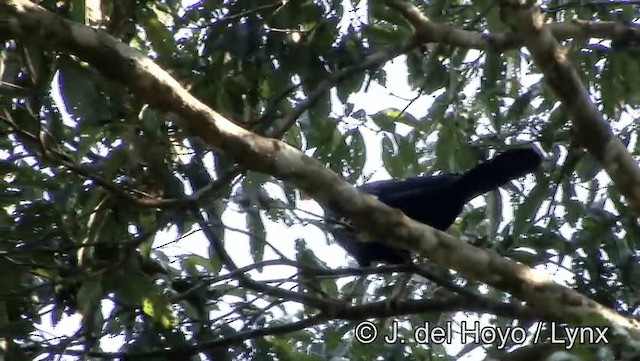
128 126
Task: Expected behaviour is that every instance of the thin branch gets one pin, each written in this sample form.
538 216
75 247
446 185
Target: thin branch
590 128
123 192
427 31
246 281
370 62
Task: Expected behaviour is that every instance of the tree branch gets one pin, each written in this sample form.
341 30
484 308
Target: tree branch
591 130
427 31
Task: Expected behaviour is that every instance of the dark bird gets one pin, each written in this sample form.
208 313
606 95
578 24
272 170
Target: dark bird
435 200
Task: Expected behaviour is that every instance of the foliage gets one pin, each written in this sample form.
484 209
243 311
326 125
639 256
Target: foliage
75 239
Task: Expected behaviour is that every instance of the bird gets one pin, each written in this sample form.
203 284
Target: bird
434 200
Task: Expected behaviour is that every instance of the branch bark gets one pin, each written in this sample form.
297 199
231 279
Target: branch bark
590 128
528 28
427 31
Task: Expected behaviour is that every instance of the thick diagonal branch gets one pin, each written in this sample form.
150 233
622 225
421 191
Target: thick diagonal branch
591 130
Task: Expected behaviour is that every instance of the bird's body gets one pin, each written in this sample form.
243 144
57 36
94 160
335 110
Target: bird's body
435 200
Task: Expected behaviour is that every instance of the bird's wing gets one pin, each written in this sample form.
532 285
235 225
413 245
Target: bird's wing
392 187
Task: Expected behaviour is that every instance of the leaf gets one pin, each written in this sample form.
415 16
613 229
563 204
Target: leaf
493 71
436 74
15 328
407 154
81 96
385 120
294 137
357 154
380 12
350 85
380 36
529 208
78 11
520 106
494 210
257 235
159 36
191 262
389 159
587 168
89 294
140 291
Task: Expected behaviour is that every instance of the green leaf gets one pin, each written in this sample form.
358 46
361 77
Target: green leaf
90 294
392 163
380 36
82 97
190 262
257 235
78 11
529 208
16 328
587 168
520 106
159 36
139 291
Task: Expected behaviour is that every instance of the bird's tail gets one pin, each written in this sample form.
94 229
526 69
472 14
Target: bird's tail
496 172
